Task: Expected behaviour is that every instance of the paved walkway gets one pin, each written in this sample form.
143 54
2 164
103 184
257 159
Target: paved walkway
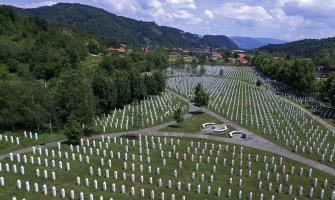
317 118
253 140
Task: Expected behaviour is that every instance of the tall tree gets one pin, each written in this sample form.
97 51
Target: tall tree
201 98
177 116
329 85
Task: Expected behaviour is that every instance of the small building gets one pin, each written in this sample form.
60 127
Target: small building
216 56
120 51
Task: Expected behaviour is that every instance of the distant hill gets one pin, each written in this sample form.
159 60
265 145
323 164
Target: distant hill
219 41
321 51
253 43
129 31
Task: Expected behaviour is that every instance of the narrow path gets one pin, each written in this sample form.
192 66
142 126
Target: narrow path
317 118
253 140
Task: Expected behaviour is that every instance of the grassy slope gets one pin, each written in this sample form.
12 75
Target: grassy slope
68 179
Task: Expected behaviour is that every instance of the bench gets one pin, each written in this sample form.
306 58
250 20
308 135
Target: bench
207 124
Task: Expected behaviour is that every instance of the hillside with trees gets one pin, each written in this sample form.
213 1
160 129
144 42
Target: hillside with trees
321 51
127 31
42 77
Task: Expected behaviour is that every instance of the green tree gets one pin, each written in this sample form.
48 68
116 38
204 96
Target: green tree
201 98
93 46
221 72
105 91
72 129
177 116
74 94
329 86
258 82
160 80
202 71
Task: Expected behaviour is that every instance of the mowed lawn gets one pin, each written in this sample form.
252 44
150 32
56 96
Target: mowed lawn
192 125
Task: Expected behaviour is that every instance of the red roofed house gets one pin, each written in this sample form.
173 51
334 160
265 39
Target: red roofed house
120 51
243 62
216 56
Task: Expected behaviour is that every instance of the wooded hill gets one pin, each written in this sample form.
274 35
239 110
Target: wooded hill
321 51
42 75
129 31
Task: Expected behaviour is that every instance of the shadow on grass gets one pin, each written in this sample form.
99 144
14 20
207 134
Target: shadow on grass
130 136
198 112
173 126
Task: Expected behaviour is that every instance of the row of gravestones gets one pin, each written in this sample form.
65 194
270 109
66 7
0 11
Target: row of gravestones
270 129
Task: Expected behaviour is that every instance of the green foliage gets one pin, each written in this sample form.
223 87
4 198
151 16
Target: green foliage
93 46
123 30
201 98
72 130
329 89
202 71
299 73
221 72
177 115
74 94
321 51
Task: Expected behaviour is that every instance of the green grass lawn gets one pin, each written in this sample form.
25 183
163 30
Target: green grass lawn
43 138
192 125
67 179
91 62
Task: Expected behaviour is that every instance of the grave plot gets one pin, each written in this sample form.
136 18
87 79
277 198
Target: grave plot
11 141
147 167
149 112
265 113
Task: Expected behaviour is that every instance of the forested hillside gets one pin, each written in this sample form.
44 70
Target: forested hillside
42 76
321 51
128 31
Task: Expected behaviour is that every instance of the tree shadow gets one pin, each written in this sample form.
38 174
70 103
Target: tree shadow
173 126
198 112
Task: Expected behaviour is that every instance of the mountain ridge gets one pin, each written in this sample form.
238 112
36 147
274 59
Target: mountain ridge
107 25
255 42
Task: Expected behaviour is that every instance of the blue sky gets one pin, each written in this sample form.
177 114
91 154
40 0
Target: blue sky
282 19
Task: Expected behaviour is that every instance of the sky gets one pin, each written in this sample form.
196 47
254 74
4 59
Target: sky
282 19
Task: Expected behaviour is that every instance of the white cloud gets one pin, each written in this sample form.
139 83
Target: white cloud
242 12
308 3
183 4
209 14
186 16
35 5
293 21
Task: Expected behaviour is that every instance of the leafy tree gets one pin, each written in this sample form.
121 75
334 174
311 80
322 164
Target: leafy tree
93 46
329 86
177 115
160 81
72 129
74 95
105 91
202 71
202 59
221 72
201 98
258 82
